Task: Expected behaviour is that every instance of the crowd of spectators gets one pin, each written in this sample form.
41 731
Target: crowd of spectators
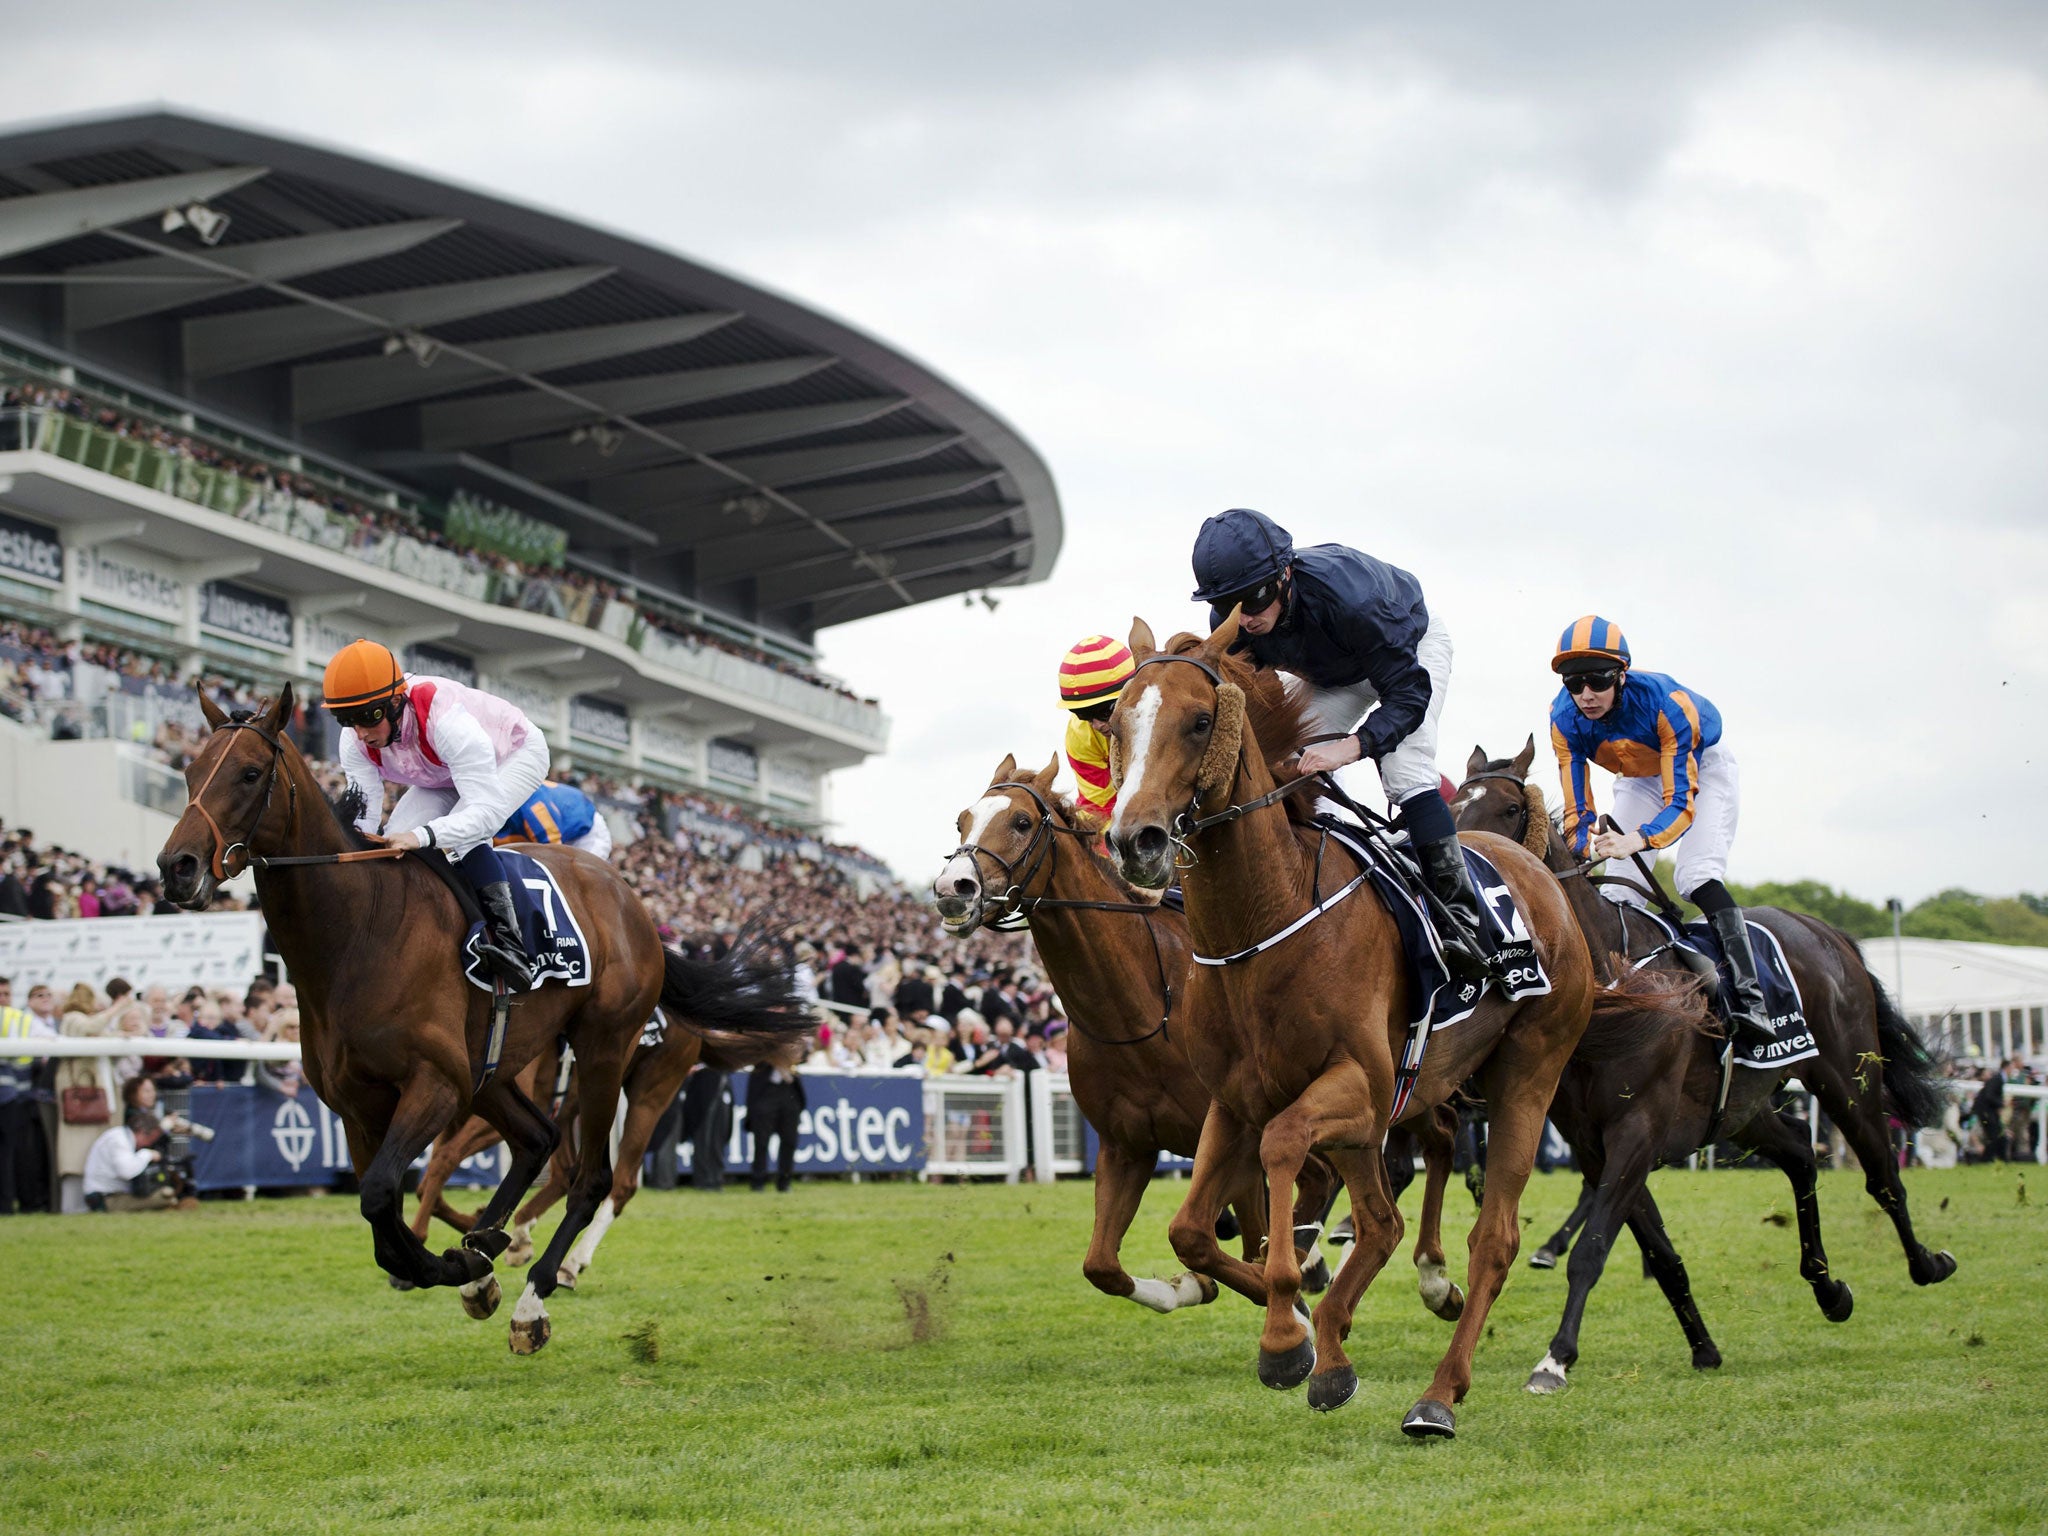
373 532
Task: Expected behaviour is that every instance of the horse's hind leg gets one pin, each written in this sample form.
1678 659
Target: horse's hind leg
532 1137
598 1071
646 1099
1376 1221
561 1172
1119 1189
1437 1134
1626 1166
450 1148
424 1109
1647 1223
1866 1129
1783 1143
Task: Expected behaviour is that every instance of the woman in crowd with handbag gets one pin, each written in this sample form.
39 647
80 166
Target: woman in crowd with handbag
83 1110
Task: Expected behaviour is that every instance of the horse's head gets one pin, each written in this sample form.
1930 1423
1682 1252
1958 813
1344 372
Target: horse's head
230 784
1174 743
1498 797
1005 840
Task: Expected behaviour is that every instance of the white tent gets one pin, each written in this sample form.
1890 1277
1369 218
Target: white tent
1981 999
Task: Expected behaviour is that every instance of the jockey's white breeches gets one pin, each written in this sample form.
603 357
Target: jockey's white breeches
597 840
1701 854
1411 767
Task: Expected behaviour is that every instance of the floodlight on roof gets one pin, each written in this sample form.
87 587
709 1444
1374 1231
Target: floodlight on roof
209 224
751 505
607 440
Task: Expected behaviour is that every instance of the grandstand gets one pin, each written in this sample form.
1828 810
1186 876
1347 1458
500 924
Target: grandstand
258 397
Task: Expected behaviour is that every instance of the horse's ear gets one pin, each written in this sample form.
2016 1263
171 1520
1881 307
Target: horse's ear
1044 777
1222 637
1477 762
280 714
216 717
1142 643
1006 770
1525 757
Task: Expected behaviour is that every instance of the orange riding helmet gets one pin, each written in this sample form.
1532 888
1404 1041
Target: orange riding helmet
361 674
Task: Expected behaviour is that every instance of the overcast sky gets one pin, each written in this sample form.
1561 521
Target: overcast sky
1725 322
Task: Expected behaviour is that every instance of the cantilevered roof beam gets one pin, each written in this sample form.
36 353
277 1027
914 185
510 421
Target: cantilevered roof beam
777 589
250 338
792 546
45 218
322 391
104 300
567 458
486 419
655 488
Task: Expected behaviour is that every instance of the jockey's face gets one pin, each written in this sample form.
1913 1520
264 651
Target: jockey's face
1595 703
378 735
1260 621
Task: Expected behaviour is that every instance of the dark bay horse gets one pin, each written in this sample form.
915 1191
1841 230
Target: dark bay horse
1652 1101
395 1035
1123 977
1298 1044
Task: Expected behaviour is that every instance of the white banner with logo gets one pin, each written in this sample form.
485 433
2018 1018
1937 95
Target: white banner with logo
122 578
212 949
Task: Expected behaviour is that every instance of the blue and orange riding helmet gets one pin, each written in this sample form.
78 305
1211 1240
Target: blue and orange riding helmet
1591 644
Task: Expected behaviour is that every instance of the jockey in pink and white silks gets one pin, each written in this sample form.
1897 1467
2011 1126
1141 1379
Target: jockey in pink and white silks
469 760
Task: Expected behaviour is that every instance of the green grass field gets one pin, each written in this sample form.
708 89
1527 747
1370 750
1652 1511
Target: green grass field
245 1368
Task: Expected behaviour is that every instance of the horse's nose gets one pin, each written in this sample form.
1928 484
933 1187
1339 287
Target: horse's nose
966 885
1149 842
180 872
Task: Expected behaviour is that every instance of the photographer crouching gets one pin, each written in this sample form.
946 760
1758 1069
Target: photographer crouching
128 1170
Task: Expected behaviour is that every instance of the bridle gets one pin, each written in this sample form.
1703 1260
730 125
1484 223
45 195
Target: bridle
1016 906
225 850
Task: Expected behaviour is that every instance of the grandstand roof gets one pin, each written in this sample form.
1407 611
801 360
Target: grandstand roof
689 429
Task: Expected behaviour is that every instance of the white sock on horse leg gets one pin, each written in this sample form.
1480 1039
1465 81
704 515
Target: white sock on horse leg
1156 1294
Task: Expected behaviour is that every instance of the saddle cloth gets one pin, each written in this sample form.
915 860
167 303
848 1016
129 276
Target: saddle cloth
553 937
1438 1001
1792 1036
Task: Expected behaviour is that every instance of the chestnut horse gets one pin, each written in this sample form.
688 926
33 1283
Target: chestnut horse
1657 1100
1298 1044
1120 966
395 1035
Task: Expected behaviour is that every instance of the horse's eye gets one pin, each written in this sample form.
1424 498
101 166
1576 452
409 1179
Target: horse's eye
1021 822
1203 723
251 775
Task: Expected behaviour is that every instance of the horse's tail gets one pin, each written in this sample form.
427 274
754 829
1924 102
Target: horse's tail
1912 1074
1636 1002
744 1007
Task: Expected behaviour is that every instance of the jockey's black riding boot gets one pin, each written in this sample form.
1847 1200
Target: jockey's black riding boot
501 947
1470 951
1747 1017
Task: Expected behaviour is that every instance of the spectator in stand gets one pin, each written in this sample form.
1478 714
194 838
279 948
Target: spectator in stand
1987 1110
282 1077
849 980
208 1024
954 997
938 1053
913 997
1003 1054
24 1154
1056 1048
804 975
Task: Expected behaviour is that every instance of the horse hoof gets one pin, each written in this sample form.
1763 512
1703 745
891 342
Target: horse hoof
1706 1358
398 1284
1543 1258
520 1253
1836 1308
1452 1307
1341 1234
1547 1378
1194 1290
1330 1390
1316 1278
565 1277
528 1337
483 1301
490 1242
1939 1267
1290 1368
1430 1420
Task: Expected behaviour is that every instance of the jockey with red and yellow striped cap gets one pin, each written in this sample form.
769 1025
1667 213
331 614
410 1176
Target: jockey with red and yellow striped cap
1092 674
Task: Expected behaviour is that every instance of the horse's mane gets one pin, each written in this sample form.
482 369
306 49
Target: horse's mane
347 808
1276 715
1086 825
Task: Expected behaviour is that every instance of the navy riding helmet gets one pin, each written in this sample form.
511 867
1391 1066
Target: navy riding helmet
1236 551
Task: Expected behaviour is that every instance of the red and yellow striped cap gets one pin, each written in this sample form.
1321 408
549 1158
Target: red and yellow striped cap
1095 671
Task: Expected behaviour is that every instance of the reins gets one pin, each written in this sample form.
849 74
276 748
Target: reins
224 850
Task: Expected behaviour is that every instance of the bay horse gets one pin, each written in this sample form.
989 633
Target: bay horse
395 1035
1298 1044
654 1076
1654 1102
1120 966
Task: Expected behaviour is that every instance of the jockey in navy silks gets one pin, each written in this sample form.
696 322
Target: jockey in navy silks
1355 633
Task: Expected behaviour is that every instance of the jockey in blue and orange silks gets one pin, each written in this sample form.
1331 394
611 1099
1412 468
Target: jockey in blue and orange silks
559 813
1675 783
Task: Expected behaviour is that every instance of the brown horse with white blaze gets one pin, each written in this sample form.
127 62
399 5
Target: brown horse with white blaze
394 1034
1299 1042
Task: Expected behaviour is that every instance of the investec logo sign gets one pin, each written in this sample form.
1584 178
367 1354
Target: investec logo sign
253 616
28 549
292 1130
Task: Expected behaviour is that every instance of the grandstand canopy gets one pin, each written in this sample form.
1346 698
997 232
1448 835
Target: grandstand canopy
689 430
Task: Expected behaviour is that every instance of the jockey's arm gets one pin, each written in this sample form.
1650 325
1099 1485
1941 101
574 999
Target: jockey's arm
472 762
1574 771
363 777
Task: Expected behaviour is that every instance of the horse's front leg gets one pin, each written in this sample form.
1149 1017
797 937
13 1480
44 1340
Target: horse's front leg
1225 1163
425 1106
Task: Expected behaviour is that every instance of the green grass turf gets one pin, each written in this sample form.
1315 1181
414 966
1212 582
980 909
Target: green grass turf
245 1368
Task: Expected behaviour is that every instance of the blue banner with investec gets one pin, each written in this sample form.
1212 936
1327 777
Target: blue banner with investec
852 1125
275 1141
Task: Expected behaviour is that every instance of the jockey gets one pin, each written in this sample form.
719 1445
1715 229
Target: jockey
1355 633
1092 674
1674 783
469 760
558 813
